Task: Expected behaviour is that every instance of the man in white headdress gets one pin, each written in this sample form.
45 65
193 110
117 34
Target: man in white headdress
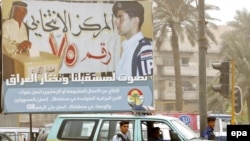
15 36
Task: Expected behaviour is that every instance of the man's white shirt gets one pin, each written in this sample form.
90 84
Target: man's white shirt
12 35
129 46
116 138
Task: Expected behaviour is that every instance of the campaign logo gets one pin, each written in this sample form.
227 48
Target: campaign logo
135 97
186 119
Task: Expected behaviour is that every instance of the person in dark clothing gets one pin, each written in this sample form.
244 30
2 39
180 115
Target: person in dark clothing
208 133
155 136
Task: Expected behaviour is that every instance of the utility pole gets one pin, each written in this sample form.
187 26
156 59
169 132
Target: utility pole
31 134
202 42
233 92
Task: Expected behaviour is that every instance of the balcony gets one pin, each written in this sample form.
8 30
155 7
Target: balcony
185 71
187 95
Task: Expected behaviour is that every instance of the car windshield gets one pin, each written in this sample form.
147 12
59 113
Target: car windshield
184 129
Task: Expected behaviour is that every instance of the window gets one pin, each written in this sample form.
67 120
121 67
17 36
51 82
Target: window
184 61
77 129
170 84
188 86
168 61
111 128
150 131
12 135
169 106
217 125
225 122
185 130
23 136
4 137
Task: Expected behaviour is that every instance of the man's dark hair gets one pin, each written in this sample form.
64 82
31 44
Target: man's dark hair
123 122
155 129
132 8
211 118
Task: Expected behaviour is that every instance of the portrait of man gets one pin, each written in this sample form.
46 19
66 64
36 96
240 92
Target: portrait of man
14 36
137 55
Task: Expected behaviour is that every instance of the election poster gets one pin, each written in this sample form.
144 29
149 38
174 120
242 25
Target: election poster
76 56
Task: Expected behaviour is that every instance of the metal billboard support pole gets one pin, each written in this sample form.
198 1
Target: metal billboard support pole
31 135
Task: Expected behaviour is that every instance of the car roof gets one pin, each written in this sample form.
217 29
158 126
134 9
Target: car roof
18 129
116 116
221 115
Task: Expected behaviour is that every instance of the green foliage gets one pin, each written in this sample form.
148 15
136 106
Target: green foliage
177 20
236 44
182 17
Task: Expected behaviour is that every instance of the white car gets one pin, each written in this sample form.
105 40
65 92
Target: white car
102 127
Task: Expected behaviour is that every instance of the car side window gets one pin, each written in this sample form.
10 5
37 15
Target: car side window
109 128
4 138
104 132
154 130
217 125
77 129
23 136
11 135
225 122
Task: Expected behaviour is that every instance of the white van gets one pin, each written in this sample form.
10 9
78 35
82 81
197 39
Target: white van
102 127
20 133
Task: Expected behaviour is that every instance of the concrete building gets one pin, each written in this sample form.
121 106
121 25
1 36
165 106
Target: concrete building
164 84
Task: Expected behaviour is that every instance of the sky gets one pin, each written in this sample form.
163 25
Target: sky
228 9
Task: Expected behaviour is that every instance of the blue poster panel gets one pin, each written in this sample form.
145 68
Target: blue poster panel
76 56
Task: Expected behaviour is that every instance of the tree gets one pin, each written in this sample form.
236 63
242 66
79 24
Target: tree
177 20
237 45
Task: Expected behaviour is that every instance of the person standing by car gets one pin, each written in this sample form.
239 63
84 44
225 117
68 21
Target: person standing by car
122 135
208 133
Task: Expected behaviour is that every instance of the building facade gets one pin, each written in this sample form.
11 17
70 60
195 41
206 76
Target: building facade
164 84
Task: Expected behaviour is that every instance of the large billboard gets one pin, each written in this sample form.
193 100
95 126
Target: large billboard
76 56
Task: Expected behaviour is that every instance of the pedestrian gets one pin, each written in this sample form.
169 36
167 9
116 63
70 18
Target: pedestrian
208 133
122 135
137 55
